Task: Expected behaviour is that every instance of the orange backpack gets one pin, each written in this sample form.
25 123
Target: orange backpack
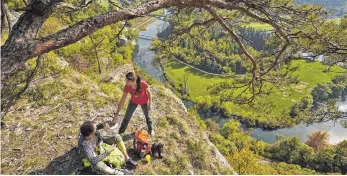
141 143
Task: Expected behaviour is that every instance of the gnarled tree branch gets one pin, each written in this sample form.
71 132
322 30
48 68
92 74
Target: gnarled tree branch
22 44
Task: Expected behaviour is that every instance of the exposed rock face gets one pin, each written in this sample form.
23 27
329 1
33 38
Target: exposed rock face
123 40
118 74
133 42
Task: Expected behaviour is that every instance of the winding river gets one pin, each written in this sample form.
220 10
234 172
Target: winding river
144 59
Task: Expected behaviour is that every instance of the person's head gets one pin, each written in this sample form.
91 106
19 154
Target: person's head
132 79
88 128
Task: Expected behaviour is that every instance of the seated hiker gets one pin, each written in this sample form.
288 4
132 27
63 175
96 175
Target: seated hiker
90 138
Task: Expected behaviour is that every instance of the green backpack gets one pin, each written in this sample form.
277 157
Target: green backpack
116 157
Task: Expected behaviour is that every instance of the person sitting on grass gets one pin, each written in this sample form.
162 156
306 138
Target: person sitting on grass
88 141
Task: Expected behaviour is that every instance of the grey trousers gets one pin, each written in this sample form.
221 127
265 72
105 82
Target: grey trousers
129 113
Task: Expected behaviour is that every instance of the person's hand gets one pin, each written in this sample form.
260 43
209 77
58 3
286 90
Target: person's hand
111 123
149 106
107 123
115 115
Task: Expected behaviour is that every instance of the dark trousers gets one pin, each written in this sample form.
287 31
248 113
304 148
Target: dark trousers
129 113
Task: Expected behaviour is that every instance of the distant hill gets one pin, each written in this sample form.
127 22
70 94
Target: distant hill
340 6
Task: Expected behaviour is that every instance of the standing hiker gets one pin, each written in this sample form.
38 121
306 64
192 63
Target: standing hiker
140 95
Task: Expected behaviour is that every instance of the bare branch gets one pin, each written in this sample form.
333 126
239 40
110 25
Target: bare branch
237 39
75 9
95 46
235 6
187 30
111 2
278 56
6 12
12 99
25 2
121 30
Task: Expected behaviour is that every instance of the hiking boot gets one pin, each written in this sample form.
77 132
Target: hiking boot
152 133
127 172
131 162
160 150
117 172
154 150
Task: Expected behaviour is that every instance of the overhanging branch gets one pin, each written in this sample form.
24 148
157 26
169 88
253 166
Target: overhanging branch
237 39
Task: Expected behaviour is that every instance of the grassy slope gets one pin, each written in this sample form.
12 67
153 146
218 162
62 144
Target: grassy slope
40 138
310 74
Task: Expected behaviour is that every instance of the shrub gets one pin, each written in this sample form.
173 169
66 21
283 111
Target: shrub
318 140
212 126
199 152
232 126
291 150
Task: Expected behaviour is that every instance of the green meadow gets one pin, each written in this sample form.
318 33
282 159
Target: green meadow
309 75
267 27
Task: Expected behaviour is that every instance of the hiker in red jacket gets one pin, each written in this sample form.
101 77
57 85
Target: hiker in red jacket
140 95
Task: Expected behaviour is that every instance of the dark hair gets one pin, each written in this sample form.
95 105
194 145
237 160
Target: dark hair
138 83
87 128
131 77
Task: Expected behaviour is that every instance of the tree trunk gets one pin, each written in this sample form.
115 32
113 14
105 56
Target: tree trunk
21 43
